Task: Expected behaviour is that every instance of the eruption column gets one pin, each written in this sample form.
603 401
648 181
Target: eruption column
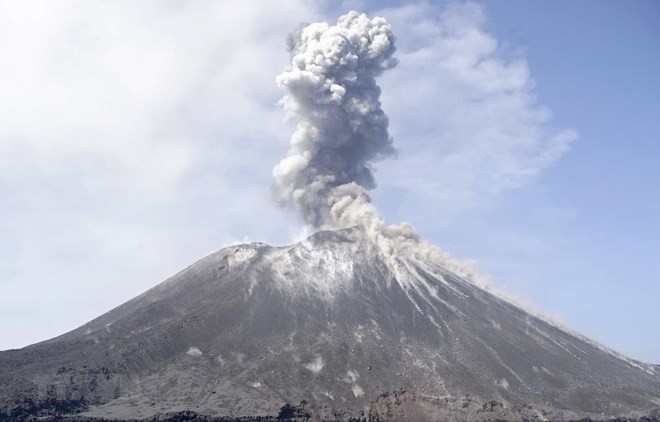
342 129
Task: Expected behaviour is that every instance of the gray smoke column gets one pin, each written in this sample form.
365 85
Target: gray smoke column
342 130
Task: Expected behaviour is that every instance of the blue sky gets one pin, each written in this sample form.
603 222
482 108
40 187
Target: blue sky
597 263
596 65
138 138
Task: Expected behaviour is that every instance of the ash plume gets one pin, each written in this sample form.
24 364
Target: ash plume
342 131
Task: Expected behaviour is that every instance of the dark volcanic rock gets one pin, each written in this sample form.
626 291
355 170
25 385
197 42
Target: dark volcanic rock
334 322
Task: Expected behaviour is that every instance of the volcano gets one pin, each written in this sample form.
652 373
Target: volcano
332 327
360 321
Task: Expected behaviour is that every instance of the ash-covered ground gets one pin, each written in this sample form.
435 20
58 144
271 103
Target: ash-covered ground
335 322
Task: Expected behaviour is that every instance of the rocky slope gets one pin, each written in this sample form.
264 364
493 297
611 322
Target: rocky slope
333 321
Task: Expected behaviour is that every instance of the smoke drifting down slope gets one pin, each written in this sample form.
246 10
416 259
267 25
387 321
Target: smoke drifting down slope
342 131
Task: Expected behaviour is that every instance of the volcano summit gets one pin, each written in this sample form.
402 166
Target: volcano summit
358 321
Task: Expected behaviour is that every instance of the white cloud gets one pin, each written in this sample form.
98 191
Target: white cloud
464 116
134 138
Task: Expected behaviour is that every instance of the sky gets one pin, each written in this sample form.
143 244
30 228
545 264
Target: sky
137 137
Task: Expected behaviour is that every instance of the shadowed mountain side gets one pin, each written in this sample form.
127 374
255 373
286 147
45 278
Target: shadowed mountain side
333 321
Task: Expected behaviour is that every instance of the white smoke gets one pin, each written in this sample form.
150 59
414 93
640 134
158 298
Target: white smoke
341 131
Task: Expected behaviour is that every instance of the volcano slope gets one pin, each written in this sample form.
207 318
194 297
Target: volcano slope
334 321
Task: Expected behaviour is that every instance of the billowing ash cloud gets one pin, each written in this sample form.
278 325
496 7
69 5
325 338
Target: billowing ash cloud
342 129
